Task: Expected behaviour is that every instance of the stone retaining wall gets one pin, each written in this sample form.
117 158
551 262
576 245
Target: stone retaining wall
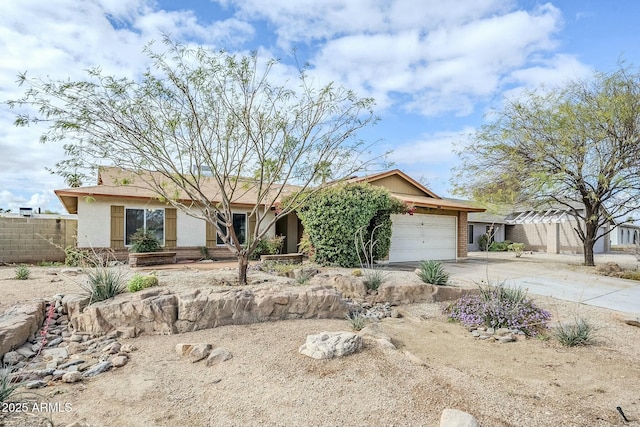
158 311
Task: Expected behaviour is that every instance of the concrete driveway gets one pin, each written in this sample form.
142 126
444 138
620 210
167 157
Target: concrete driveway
559 276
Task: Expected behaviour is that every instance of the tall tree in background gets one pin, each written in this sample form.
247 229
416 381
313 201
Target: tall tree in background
197 115
578 147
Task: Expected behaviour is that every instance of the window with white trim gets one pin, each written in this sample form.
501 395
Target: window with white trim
146 219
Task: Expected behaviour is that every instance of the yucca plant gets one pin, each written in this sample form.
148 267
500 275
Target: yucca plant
22 272
7 387
580 332
357 320
431 272
104 283
373 278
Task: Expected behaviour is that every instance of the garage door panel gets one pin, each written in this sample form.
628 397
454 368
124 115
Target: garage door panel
421 237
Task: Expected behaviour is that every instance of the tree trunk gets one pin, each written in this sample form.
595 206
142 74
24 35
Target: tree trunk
243 263
589 242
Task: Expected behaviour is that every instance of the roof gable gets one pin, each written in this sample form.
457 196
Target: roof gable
398 182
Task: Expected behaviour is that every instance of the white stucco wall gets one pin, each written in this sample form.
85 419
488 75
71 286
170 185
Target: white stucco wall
94 222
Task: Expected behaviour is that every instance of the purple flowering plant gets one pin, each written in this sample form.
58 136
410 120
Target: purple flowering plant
500 306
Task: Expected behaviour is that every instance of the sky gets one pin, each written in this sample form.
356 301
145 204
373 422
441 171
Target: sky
434 67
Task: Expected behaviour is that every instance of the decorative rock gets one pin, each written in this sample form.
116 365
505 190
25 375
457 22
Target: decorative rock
55 353
54 342
98 369
72 377
52 364
457 418
506 338
183 349
327 345
490 331
18 323
26 351
218 355
199 352
71 363
503 331
119 361
75 338
475 334
36 384
112 348
128 348
71 271
632 321
12 358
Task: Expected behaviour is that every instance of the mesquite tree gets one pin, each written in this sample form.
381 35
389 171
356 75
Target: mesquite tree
578 147
198 115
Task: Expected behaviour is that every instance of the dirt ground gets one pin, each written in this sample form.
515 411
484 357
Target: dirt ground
532 382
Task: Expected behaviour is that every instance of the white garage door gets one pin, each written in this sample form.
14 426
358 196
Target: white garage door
421 237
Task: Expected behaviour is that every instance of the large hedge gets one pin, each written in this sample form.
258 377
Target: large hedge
332 216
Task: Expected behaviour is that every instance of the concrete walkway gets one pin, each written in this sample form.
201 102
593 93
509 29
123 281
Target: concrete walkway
557 276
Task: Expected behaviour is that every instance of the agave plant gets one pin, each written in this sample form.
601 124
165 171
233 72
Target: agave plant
432 272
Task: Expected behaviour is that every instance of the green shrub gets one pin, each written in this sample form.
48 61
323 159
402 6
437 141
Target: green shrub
483 242
356 273
268 246
139 282
7 387
50 264
304 277
279 268
373 278
104 283
306 247
431 272
22 272
580 332
518 248
499 246
144 241
332 216
74 257
357 321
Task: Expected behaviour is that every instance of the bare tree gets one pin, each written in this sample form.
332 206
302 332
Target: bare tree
197 115
577 147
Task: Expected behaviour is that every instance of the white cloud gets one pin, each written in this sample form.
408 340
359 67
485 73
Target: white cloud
60 39
431 149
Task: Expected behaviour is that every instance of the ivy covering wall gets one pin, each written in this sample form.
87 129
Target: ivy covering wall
332 216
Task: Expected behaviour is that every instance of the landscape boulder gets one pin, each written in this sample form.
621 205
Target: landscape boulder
18 323
457 418
327 345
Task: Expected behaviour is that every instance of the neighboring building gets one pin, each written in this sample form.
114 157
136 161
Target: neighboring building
482 223
109 213
543 230
626 234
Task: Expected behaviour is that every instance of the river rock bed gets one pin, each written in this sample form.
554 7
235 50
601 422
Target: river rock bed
55 353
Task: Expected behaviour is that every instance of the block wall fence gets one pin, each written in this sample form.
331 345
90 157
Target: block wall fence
32 240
